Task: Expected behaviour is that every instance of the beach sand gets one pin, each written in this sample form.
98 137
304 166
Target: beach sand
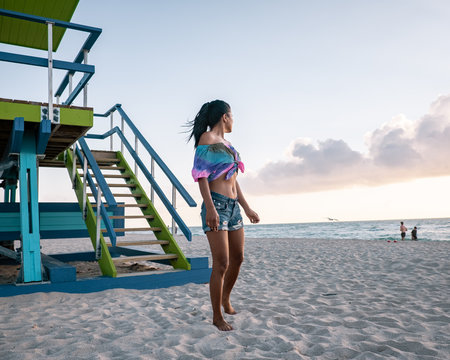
297 299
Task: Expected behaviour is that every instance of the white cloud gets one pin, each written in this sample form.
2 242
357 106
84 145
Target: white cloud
399 150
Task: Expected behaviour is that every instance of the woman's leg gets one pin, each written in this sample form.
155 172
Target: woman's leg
236 257
218 242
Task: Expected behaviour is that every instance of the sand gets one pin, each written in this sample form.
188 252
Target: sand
297 299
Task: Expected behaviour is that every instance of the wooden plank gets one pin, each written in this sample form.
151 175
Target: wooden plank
57 270
107 160
112 176
146 257
104 154
9 253
132 205
121 195
132 217
128 195
125 205
51 163
135 229
121 185
105 167
143 242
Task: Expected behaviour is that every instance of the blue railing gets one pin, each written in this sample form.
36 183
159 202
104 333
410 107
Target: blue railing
106 191
85 158
71 67
176 185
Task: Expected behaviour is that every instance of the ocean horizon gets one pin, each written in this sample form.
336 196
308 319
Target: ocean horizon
433 229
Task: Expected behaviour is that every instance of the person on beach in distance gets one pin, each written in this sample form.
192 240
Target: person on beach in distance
216 164
403 230
414 233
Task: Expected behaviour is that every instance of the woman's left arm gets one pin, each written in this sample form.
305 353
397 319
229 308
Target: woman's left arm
252 215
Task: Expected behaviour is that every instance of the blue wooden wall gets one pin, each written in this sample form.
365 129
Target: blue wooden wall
56 221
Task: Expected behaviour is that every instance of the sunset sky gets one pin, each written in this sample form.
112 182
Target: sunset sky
341 108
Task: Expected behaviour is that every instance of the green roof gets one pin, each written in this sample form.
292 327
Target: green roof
31 34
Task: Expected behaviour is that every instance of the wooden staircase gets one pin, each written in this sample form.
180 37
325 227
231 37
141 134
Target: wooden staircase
135 197
125 187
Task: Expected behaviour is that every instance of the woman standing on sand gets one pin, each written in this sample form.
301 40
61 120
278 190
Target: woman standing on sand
216 165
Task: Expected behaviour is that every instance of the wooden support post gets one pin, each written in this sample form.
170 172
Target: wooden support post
29 211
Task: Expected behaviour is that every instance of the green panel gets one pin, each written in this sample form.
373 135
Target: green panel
164 234
32 112
31 34
78 117
10 110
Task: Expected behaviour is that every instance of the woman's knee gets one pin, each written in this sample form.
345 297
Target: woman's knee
221 265
237 258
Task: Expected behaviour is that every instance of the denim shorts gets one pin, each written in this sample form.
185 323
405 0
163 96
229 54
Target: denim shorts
230 218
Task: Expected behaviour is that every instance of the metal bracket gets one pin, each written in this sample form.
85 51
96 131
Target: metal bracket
56 114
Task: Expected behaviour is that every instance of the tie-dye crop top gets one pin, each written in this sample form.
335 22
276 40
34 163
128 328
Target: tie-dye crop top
212 161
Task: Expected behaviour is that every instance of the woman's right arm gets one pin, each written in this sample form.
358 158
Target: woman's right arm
212 217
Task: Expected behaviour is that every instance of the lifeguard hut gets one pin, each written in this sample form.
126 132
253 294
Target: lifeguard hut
55 134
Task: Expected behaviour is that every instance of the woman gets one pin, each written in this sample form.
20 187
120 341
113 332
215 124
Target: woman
216 165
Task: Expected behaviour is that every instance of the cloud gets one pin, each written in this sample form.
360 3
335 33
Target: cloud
399 150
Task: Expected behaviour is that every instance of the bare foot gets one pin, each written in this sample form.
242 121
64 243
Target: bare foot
228 308
222 325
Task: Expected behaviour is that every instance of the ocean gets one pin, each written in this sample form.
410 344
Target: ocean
427 230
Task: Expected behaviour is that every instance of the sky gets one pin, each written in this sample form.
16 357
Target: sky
341 108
